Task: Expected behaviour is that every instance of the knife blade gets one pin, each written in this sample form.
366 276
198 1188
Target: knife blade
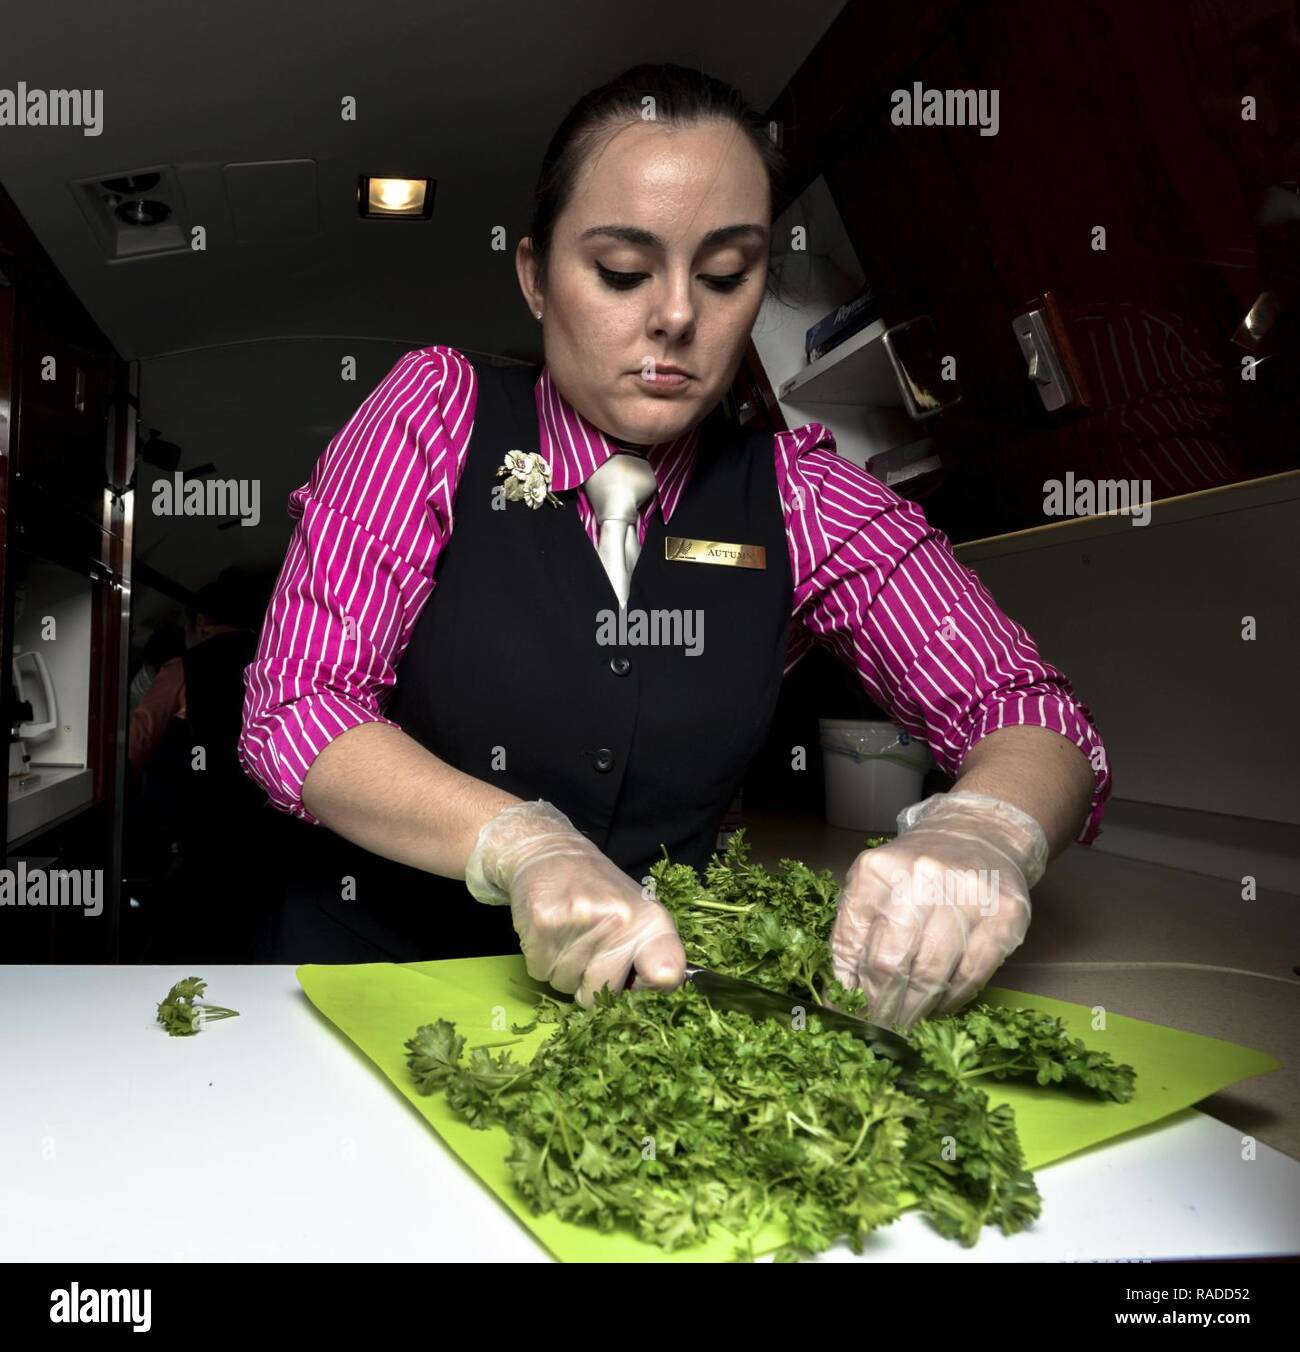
759 1002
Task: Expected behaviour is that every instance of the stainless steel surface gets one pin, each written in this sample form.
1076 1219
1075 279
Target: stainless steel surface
124 509
922 393
728 992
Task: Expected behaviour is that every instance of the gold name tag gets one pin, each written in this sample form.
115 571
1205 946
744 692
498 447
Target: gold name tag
680 550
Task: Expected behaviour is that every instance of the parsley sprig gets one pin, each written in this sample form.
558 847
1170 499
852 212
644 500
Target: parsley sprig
180 1012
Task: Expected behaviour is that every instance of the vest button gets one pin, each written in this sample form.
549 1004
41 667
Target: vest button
620 666
604 761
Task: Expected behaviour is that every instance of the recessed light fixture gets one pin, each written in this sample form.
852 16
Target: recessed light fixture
395 198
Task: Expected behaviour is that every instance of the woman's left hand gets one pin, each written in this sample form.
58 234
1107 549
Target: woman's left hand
926 920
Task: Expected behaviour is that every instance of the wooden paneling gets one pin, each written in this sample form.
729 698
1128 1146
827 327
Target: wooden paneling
1116 115
62 440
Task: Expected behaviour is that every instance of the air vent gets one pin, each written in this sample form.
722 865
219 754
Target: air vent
138 214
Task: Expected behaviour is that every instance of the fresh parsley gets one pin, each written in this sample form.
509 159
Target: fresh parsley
180 1012
772 928
655 1110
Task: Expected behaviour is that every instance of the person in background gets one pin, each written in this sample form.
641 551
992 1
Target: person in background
162 700
210 643
166 642
193 792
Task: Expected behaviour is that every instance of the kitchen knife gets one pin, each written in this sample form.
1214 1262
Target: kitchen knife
729 992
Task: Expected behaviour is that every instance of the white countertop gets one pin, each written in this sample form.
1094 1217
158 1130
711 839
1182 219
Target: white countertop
270 1137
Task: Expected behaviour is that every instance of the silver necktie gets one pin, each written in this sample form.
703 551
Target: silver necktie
616 491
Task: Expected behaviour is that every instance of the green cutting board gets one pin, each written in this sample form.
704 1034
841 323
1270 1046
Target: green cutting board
380 1005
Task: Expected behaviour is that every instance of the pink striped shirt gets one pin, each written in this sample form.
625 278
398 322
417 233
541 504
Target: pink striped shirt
873 581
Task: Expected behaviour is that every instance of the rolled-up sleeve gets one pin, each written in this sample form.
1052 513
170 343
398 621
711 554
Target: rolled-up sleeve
371 522
881 588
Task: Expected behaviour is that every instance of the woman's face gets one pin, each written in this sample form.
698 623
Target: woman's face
660 258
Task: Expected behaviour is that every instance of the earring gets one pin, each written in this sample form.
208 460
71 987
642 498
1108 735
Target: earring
538 313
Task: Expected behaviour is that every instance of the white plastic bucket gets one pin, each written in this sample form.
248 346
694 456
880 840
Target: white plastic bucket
873 771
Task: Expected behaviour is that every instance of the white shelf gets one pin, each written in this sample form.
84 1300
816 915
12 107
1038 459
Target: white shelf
57 792
857 372
853 390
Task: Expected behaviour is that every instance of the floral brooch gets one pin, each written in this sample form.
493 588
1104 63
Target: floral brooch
528 479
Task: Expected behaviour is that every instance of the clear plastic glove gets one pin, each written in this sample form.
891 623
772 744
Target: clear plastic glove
582 922
925 920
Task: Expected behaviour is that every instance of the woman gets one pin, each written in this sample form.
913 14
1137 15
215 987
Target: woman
537 751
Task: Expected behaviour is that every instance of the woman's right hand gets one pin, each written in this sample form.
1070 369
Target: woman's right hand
582 922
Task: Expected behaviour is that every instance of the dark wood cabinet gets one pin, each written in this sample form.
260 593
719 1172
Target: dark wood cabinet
1125 177
64 394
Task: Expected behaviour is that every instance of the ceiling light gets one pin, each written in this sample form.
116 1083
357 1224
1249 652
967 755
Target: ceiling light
395 198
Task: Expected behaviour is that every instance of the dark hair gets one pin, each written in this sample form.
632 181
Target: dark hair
234 598
166 641
681 95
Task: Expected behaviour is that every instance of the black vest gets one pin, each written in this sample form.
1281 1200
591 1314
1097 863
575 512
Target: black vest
643 746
